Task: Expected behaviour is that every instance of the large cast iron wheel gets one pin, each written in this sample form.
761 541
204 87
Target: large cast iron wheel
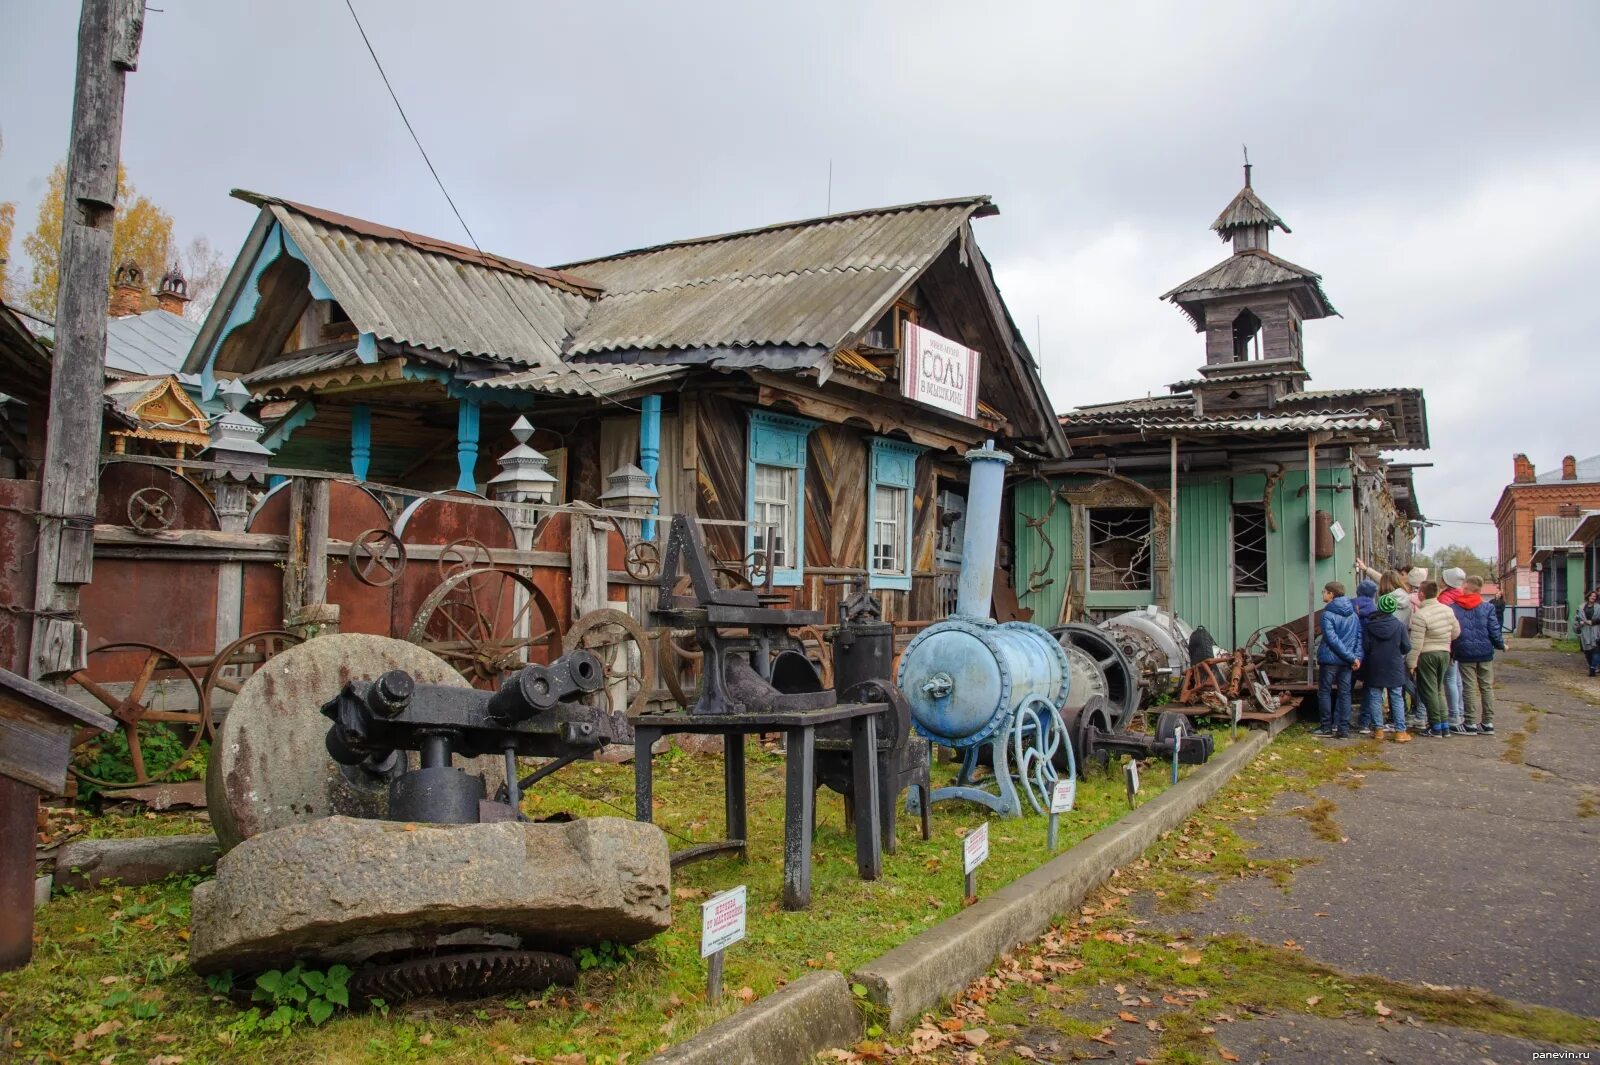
164 699
1121 678
608 632
234 664
466 621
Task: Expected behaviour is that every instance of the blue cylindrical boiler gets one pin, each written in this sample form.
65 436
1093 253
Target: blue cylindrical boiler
966 676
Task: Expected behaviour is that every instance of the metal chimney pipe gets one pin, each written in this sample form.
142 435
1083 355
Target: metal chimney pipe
985 484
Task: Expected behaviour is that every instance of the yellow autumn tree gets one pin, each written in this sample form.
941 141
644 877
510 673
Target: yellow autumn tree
8 218
141 233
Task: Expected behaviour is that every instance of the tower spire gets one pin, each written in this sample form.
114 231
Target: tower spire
1246 148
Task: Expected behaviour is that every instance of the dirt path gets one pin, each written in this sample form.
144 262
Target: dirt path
1437 901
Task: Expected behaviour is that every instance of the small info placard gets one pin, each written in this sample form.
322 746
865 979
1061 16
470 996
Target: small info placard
975 848
1063 795
722 921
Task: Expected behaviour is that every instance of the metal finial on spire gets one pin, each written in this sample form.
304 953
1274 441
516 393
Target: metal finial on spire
521 429
1246 149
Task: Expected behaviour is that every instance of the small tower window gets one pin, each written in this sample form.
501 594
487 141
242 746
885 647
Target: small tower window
1246 336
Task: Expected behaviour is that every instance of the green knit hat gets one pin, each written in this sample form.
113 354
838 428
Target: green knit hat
1389 602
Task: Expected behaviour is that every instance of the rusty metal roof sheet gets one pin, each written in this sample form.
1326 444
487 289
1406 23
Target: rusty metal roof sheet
429 294
317 362
811 284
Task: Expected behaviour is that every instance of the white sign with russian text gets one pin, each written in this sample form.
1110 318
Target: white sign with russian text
1063 795
722 921
975 848
939 372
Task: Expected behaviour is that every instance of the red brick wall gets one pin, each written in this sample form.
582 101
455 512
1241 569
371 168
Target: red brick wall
1519 505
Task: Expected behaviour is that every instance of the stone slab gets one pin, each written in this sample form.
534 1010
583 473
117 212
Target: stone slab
934 966
788 1027
269 764
342 889
84 863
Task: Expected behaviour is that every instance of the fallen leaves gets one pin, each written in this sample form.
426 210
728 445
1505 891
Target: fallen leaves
99 1031
1313 1000
1126 1017
1227 1055
1381 1009
1193 957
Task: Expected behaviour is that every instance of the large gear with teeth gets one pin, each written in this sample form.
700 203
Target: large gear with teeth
467 975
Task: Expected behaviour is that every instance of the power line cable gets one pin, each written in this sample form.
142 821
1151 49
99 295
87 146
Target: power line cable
437 180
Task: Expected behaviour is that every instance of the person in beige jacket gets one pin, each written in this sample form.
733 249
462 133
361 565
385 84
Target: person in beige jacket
1433 627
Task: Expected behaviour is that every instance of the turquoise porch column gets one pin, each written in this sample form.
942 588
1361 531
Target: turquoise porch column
360 440
650 451
467 445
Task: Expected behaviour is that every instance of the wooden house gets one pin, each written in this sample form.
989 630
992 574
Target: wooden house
759 377
1231 499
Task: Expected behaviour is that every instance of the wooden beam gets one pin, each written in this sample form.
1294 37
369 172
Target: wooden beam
109 33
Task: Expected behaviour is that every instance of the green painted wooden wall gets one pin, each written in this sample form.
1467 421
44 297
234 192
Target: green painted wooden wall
1202 568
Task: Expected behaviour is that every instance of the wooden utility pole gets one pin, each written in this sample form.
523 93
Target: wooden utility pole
109 32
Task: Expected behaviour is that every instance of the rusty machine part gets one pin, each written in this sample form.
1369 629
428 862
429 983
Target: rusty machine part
468 620
233 665
465 554
1094 739
1157 642
1279 651
150 510
642 560
1115 677
607 633
377 558
473 974
536 714
751 660
164 695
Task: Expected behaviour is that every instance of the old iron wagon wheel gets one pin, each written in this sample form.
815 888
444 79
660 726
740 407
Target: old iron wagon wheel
643 560
608 632
164 700
679 660
151 510
461 555
234 664
468 622
377 558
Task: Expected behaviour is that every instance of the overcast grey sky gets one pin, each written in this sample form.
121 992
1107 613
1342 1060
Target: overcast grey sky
1439 163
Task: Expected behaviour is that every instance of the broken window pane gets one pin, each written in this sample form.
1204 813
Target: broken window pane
1119 549
1249 549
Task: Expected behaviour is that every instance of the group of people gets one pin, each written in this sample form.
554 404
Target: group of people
1425 654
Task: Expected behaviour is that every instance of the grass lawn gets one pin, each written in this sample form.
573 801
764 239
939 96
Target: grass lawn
110 979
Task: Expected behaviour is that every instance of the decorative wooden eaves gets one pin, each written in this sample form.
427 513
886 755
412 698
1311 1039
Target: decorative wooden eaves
163 412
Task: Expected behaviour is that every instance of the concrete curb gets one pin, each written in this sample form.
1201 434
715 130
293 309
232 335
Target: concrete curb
789 1027
934 966
817 1012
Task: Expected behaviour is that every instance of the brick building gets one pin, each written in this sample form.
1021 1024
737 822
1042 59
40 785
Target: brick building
1524 573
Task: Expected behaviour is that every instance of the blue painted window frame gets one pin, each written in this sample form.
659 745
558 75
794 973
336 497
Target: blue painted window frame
779 440
892 464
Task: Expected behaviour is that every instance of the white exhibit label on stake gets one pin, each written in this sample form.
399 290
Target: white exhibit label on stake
1063 795
975 848
721 921
1132 772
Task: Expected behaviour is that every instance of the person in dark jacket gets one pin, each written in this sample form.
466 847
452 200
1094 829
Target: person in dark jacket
1338 657
1473 652
1385 644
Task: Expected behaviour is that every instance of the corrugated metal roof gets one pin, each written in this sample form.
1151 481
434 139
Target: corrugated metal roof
1258 375
430 298
154 342
1588 470
1247 209
314 363
601 379
808 284
1554 532
1164 419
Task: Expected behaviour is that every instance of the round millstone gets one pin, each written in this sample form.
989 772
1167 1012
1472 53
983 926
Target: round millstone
269 763
349 890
